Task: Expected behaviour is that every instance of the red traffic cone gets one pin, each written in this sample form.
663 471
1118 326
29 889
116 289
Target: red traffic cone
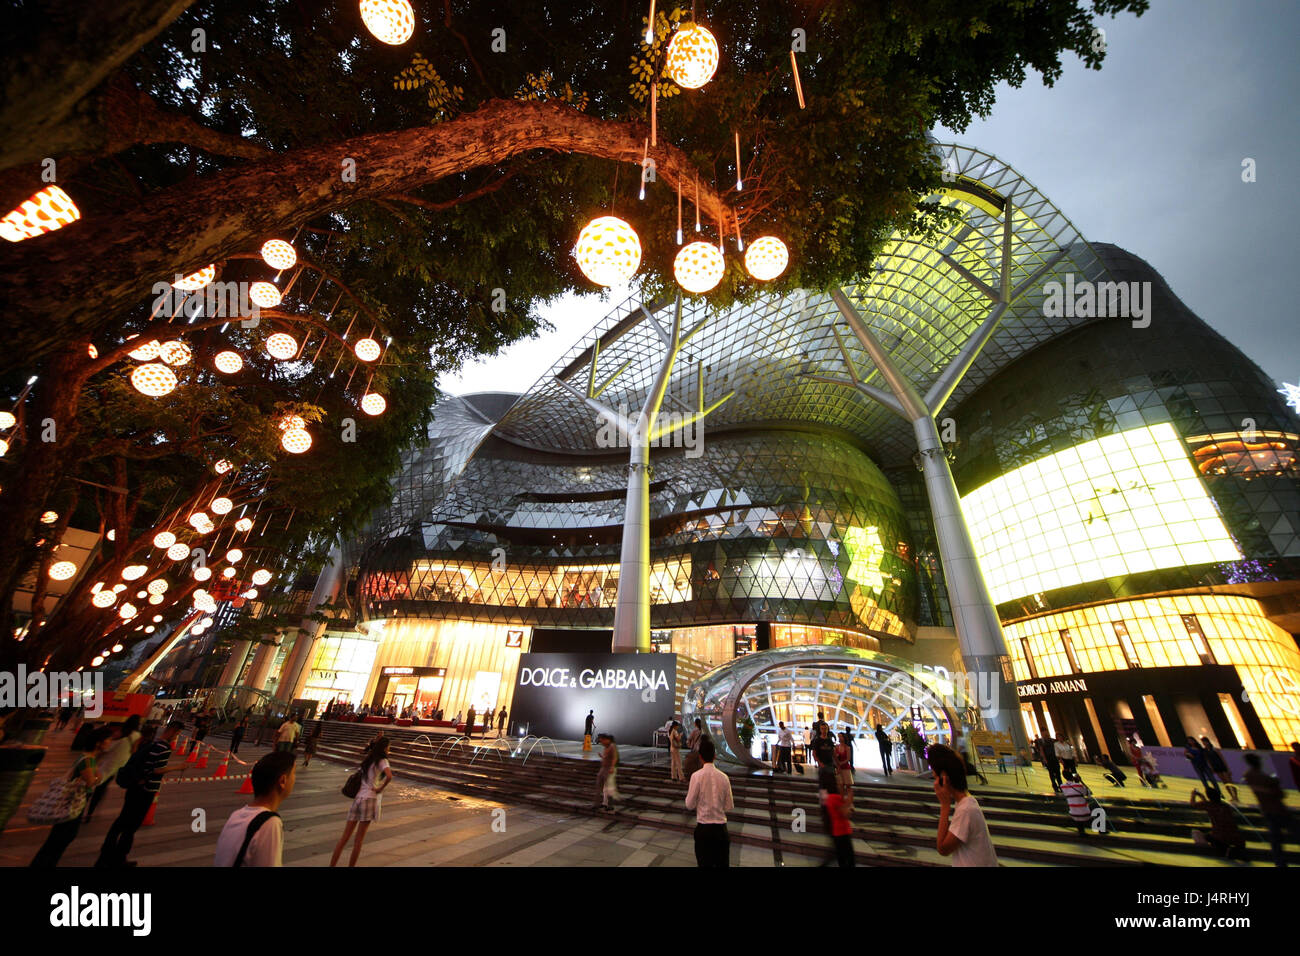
248 785
193 754
203 758
148 817
224 767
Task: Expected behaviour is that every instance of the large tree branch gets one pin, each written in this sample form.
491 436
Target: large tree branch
112 261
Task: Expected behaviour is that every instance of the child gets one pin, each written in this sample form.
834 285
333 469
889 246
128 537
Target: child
963 834
838 812
1076 796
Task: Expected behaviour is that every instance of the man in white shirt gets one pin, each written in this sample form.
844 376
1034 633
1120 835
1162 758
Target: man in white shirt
709 795
963 834
784 747
254 834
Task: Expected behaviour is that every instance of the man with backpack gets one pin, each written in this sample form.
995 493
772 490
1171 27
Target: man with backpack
254 834
141 777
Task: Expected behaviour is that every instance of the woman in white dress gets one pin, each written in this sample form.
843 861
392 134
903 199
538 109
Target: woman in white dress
375 776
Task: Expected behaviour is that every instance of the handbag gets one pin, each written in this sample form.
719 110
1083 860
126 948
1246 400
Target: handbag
353 785
65 800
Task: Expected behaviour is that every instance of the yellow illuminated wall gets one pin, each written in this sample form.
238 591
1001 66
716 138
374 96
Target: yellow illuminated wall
866 556
1235 628
1123 504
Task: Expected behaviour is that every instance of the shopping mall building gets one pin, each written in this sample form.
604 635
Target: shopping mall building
1128 478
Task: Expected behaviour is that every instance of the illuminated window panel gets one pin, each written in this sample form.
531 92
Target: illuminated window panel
1120 505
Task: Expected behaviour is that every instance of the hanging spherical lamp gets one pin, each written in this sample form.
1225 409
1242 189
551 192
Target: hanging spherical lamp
141 594
264 294
145 352
47 210
196 280
391 21
295 441
261 576
96 661
278 254
127 611
4 447
228 362
251 594
198 519
227 572
222 467
49 517
372 403
766 258
699 267
96 587
692 57
62 570
155 598
281 346
104 598
206 527
92 351
164 539
7 421
222 506
234 555
244 524
154 380
134 571
367 350
119 588
608 251
157 586
292 421
202 574
205 602
174 353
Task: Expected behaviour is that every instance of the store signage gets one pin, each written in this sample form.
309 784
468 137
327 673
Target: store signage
514 638
631 696
1043 688
399 670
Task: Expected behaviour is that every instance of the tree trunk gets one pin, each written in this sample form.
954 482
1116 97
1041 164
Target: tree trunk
114 262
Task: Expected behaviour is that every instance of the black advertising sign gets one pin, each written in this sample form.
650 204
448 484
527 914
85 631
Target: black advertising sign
632 694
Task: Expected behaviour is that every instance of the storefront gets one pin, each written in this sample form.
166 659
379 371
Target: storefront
419 688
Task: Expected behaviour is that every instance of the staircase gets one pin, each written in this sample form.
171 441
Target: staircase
894 825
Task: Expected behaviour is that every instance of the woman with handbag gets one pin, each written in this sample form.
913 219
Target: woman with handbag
373 777
66 799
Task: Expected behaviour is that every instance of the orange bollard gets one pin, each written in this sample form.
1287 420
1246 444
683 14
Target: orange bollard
224 767
203 759
148 817
248 785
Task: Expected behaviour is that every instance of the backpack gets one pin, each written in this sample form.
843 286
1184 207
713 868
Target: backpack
131 773
353 785
253 826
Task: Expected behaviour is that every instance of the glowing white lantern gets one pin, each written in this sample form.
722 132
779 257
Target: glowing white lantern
205 603
391 21
234 555
178 552
4 447
766 258
153 379
251 594
117 588
157 586
264 294
133 571
281 346
7 421
222 506
174 353
292 421
157 618
222 467
244 524
196 280
49 209
96 587
608 251
155 599
149 629
62 570
164 539
296 441
202 574
692 57
104 599
261 576
699 267
49 517
367 350
373 403
96 661
117 648
127 611
228 362
227 572
92 351
278 254
146 352
199 519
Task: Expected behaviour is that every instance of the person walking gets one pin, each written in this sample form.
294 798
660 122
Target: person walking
144 773
501 722
1135 757
376 775
843 760
963 833
126 736
1051 763
201 725
1200 763
886 749
469 721
84 774
607 778
1219 767
254 834
675 752
1076 795
784 748
287 735
838 815
823 747
1065 754
1268 791
309 745
237 735
709 795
